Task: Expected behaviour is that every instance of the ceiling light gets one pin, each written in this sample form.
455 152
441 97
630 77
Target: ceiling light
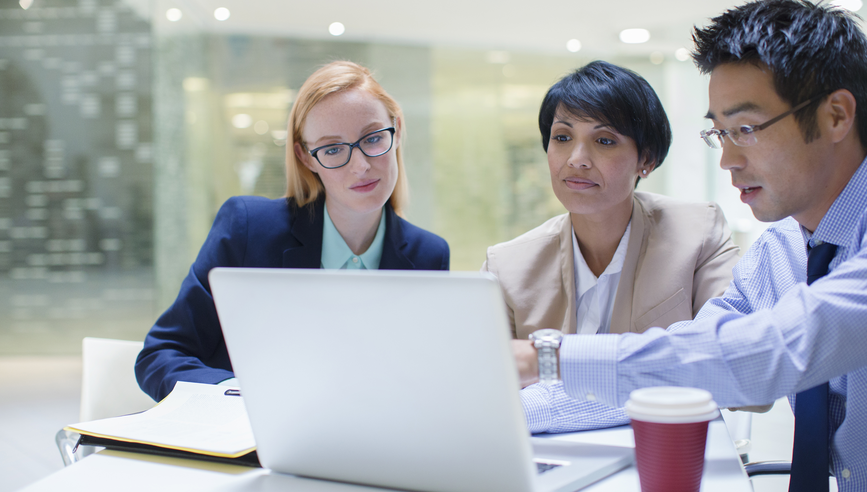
498 57
657 58
194 84
25 4
634 36
851 5
336 29
242 120
261 127
222 14
174 15
682 54
573 45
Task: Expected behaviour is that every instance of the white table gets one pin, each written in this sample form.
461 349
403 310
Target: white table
723 471
110 471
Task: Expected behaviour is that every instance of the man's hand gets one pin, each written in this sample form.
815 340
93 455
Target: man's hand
527 360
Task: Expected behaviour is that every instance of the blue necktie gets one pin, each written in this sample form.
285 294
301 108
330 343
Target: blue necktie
810 451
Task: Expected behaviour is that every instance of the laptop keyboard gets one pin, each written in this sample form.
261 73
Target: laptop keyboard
543 467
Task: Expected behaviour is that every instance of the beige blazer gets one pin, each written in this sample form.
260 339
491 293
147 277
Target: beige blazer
679 255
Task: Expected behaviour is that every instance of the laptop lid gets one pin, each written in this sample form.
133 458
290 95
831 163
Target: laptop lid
395 379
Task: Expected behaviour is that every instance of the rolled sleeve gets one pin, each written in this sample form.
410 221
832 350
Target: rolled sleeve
537 408
588 367
549 409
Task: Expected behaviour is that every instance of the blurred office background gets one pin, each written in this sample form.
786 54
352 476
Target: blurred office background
124 125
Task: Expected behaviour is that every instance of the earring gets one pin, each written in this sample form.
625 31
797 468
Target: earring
644 172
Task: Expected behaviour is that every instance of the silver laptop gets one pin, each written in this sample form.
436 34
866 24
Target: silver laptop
403 380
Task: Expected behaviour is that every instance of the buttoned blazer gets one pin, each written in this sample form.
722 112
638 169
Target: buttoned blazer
186 343
679 255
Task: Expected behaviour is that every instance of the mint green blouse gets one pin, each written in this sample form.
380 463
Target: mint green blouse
336 254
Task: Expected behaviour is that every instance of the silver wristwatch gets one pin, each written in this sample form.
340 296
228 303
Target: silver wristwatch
547 343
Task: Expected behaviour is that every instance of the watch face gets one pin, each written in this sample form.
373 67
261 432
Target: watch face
548 333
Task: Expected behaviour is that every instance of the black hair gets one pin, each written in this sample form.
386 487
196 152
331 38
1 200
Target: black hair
811 49
614 96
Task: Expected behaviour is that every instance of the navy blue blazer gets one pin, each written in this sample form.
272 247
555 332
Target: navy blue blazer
186 343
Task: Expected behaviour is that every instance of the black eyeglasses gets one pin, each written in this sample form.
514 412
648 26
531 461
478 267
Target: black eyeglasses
374 144
745 135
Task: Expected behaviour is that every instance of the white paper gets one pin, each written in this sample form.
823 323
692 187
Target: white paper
194 417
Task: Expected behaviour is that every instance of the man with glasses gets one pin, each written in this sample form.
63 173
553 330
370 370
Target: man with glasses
788 101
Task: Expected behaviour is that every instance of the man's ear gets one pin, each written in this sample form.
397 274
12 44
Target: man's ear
837 115
305 158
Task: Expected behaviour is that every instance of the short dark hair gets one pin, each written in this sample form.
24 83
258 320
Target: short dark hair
811 50
614 96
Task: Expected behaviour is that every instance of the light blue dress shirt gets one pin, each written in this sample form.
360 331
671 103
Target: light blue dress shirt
769 335
336 254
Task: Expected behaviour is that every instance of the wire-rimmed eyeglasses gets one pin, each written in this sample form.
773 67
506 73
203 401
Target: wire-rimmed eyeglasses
373 144
745 135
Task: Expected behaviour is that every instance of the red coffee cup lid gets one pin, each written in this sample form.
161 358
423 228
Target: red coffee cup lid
671 404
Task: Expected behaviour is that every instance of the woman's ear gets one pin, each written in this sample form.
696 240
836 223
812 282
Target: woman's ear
305 158
645 166
398 131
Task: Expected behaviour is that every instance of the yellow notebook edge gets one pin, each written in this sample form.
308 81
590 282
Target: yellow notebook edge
160 445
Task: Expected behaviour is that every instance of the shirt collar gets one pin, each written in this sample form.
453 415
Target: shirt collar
584 277
807 236
336 254
836 226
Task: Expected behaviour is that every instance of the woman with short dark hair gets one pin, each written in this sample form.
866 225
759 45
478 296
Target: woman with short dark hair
619 260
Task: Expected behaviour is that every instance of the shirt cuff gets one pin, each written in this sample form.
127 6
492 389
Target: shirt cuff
588 367
537 409
230 382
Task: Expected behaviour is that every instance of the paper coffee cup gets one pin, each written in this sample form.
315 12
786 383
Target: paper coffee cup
670 427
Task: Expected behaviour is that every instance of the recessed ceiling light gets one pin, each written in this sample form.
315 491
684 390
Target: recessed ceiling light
174 15
261 127
25 4
498 57
851 5
657 58
336 28
242 120
634 36
682 54
222 14
573 45
194 84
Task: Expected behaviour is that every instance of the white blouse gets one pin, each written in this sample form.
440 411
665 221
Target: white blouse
595 296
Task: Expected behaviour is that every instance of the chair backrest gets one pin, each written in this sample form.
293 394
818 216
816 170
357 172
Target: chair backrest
108 384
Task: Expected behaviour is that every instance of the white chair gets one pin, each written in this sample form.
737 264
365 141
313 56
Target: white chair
108 384
108 388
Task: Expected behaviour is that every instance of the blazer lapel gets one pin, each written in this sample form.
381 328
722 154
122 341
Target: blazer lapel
305 249
621 317
393 244
567 276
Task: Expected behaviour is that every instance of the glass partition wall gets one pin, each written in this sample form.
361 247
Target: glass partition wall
121 134
76 174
